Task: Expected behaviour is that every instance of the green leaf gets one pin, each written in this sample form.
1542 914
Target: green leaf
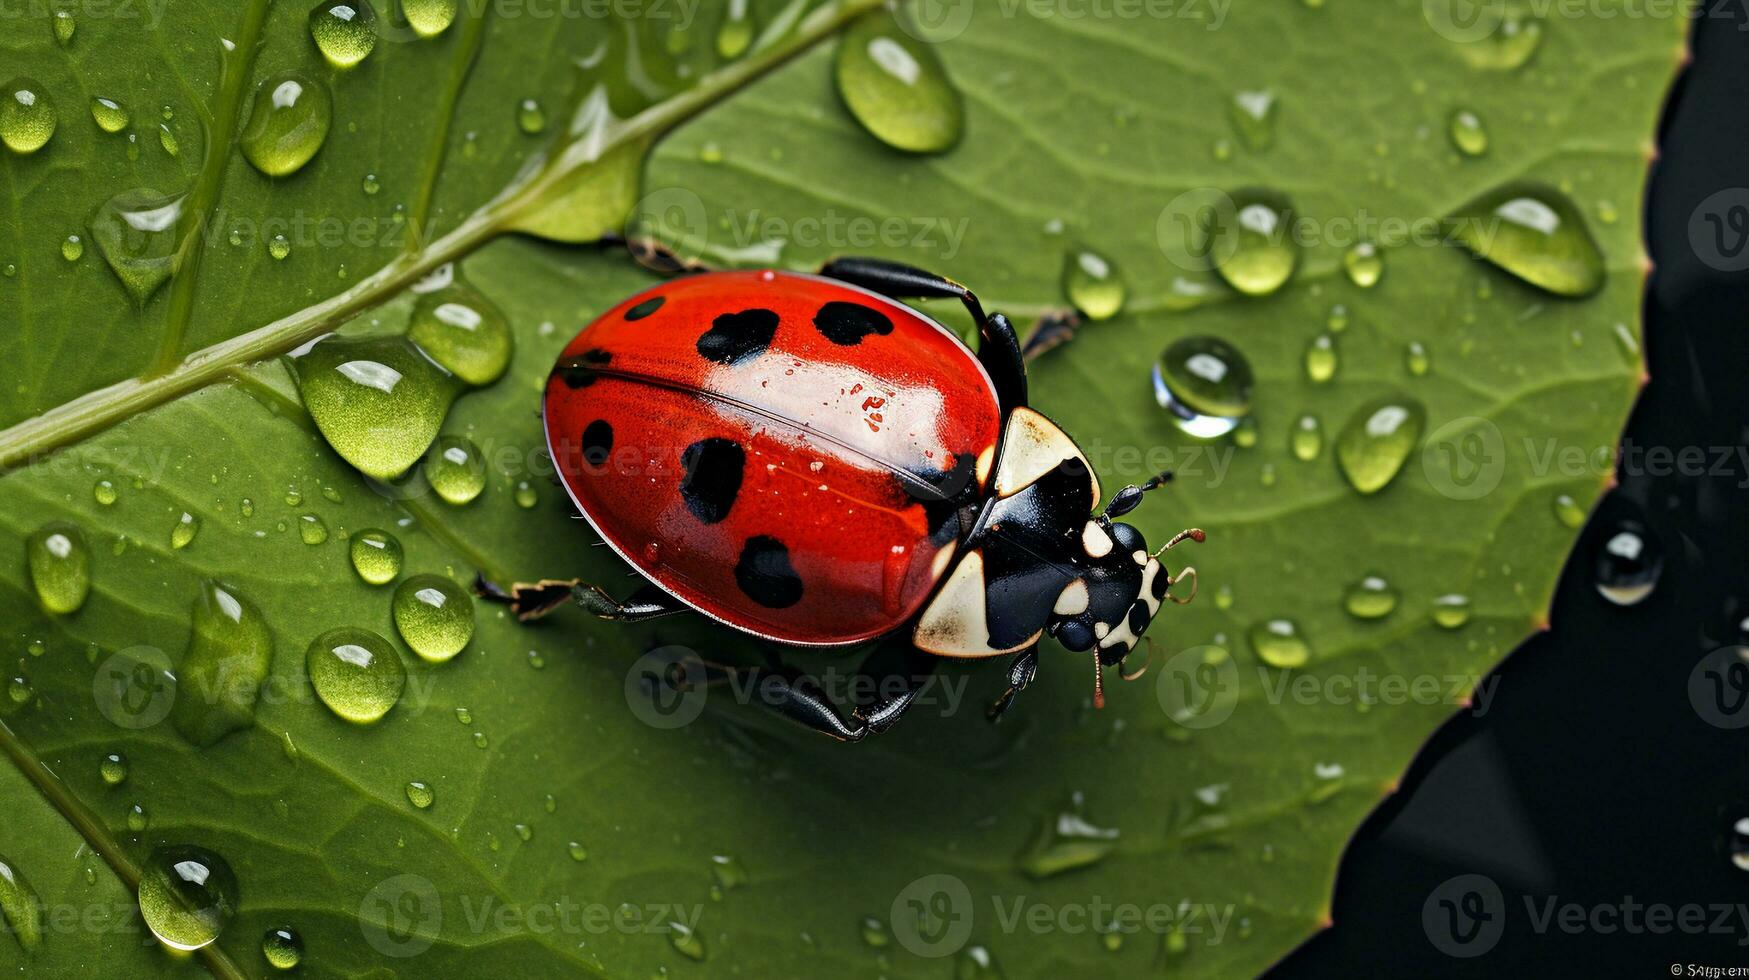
1093 125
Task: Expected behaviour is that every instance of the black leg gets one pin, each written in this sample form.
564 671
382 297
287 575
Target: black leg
532 600
800 699
998 348
1021 671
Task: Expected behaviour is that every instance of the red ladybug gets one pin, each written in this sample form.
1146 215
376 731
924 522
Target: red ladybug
807 460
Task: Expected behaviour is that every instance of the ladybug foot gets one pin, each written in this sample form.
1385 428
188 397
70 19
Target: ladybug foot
531 601
1021 670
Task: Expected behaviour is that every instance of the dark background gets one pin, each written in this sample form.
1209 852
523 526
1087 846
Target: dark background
1593 779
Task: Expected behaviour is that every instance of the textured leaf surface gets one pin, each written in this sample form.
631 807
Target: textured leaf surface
1094 125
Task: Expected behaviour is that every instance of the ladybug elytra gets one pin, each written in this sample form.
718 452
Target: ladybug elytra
808 460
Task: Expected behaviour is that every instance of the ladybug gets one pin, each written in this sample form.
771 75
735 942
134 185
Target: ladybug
808 460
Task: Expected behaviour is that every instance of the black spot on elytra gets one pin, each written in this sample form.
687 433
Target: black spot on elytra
583 370
646 308
597 443
1161 584
846 324
765 574
734 337
712 477
1139 619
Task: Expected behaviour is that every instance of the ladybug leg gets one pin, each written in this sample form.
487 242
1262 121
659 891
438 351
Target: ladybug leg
1021 671
999 346
532 600
800 699
648 602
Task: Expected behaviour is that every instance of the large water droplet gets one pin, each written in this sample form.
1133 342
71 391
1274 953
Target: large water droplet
59 562
135 232
344 31
434 616
464 332
187 895
356 673
429 18
1377 439
1628 563
897 87
1205 384
1535 233
20 906
456 470
378 401
1252 242
1370 598
376 556
1467 133
1252 114
282 948
111 116
27 116
1279 643
1093 285
229 656
288 124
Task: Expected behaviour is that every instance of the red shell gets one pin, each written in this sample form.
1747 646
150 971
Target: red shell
824 411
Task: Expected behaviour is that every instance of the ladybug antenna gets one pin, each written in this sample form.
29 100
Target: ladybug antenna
1098 681
1188 534
1136 674
1130 497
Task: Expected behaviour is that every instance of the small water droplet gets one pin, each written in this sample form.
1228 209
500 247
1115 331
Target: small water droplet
1415 359
464 332
464 716
1093 284
525 495
187 895
530 117
1364 263
111 116
1628 563
1279 643
103 491
1491 36
1224 597
897 88
73 248
1204 384
1307 438
874 932
735 35
59 562
727 872
1568 511
456 470
1321 359
288 124
20 906
114 769
434 616
1245 433
1370 598
344 31
577 851
278 247
376 556
1467 133
138 819
429 18
356 673
1535 233
1065 842
1252 241
27 116
420 795
183 531
167 140
19 690
312 529
282 948
65 27
136 233
1451 611
1378 439
372 184
976 963
1252 114
379 401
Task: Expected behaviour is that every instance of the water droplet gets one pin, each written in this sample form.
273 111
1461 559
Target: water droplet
229 656
874 932
464 716
434 616
429 18
65 27
1535 233
1568 511
897 88
1378 439
1224 597
1093 285
356 673
1467 133
288 124
976 963
344 31
1628 564
1740 844
1494 36
710 152
20 906
1278 643
19 690
525 495
73 248
183 531
111 116
278 247
735 36
1307 438
114 769
1204 383
187 895
282 948
456 470
685 941
27 116
167 140
312 529
376 556
59 562
727 872
1451 611
464 332
1067 842
1337 321
378 401
1253 117
1364 263
1245 433
1370 598
1321 358
1252 242
371 185
1415 359
135 232
577 851
103 491
420 795
138 819
530 117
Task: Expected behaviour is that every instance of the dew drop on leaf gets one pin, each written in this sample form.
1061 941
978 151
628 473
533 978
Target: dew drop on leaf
20 906
685 941
1065 842
288 124
464 332
736 33
312 529
530 117
376 555
1252 242
113 768
1364 264
136 233
138 820
1321 359
187 895
1204 384
1279 643
1467 132
111 116
27 116
356 673
456 470
344 31
874 933
278 248
429 18
896 86
59 561
1535 233
65 27
73 248
577 851
229 655
1370 598
378 401
1307 438
1568 511
1377 440
183 531
1451 611
1252 114
1415 359
282 948
434 616
420 795
1093 285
